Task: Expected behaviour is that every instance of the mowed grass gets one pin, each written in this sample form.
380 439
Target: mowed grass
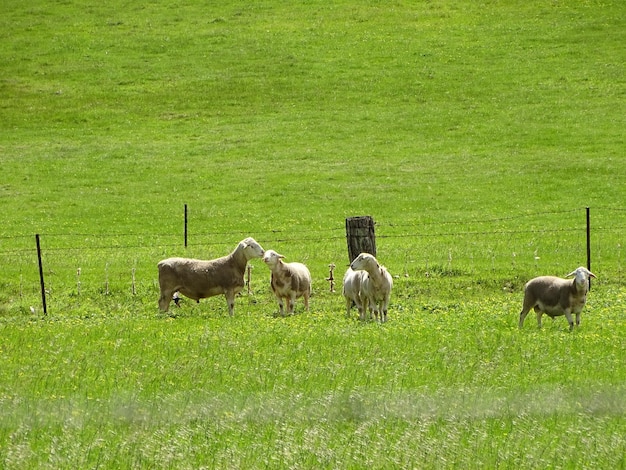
475 134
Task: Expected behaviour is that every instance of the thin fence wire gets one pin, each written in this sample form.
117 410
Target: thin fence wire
551 242
385 230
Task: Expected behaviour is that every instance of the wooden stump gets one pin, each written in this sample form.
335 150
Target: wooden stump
360 236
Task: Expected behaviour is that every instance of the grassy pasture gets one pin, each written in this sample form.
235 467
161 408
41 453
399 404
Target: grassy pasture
475 133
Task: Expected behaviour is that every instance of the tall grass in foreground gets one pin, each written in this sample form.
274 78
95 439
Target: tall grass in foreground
448 385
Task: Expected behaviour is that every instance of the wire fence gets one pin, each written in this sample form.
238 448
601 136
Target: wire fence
551 242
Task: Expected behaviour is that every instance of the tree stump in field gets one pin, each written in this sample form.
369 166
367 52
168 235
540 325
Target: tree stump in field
360 236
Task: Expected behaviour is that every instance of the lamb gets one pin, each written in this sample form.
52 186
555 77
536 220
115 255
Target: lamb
376 286
199 279
352 282
555 296
289 281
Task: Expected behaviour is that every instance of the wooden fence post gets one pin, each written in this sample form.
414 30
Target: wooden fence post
361 236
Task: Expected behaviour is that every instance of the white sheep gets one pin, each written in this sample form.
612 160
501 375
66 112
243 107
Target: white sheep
352 282
289 281
375 287
198 279
555 296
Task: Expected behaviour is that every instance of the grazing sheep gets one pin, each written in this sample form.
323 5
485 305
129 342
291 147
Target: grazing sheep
198 279
352 282
376 285
289 281
555 296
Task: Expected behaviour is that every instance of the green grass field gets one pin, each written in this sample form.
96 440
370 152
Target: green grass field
475 134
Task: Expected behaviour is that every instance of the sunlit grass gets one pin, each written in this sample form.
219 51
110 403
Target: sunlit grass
437 387
474 133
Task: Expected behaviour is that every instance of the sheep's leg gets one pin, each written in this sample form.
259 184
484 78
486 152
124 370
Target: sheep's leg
230 300
348 306
373 309
281 307
306 300
578 319
383 312
529 303
291 302
165 299
570 320
375 312
539 315
522 316
364 310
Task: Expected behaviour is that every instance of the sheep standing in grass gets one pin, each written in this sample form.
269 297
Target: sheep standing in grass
352 282
555 296
289 281
375 286
198 279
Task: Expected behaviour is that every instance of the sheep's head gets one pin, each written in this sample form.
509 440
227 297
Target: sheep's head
251 248
581 276
364 261
271 258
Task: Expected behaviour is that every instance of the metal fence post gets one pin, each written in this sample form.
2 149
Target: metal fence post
588 245
186 225
43 285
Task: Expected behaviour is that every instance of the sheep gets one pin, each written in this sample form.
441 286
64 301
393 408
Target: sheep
289 281
375 286
198 279
555 296
352 281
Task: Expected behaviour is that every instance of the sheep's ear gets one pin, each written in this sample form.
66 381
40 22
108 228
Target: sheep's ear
571 274
591 274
